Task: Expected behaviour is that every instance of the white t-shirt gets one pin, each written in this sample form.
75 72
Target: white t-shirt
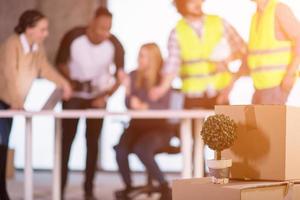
90 62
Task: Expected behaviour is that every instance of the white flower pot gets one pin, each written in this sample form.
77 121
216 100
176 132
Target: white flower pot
219 170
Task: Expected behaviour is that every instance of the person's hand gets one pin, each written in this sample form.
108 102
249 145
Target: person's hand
223 97
67 91
16 107
221 66
99 102
288 82
156 93
137 104
124 79
122 76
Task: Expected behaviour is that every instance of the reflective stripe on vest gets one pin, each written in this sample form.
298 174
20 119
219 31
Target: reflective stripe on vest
268 51
197 71
268 57
195 61
199 76
267 68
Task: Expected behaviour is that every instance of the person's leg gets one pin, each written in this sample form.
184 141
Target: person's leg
123 149
93 130
146 151
5 129
69 129
3 159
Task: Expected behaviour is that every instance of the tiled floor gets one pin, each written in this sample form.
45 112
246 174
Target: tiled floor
105 185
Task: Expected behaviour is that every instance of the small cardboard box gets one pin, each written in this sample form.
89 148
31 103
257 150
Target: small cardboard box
10 168
203 189
268 142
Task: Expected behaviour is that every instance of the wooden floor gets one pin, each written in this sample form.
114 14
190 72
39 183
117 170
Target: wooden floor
105 185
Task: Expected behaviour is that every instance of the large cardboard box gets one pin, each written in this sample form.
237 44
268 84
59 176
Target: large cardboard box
268 143
10 168
203 189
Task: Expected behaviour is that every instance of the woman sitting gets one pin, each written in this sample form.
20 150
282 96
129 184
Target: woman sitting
144 137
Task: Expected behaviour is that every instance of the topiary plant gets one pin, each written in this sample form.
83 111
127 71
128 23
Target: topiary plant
219 133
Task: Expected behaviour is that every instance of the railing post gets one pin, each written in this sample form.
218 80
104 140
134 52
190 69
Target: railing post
186 147
28 187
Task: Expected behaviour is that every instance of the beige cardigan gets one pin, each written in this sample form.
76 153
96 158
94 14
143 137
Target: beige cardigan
18 70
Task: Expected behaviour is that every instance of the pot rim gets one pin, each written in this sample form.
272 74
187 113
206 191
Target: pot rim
219 164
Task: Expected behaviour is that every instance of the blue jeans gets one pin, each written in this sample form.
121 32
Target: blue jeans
5 126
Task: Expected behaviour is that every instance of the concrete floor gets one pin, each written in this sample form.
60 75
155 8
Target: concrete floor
105 185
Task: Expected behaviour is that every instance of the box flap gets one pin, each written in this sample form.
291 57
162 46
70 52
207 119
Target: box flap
241 185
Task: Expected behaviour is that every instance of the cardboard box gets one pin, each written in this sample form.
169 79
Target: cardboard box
203 189
268 143
10 168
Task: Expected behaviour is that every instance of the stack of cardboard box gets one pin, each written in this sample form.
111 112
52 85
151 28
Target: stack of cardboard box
266 160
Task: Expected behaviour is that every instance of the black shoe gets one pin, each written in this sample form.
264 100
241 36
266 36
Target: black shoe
4 196
3 160
90 196
123 194
166 192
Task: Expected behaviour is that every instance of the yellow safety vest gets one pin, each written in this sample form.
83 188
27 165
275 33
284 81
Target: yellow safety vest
197 71
268 57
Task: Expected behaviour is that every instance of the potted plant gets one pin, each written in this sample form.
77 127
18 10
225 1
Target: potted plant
219 132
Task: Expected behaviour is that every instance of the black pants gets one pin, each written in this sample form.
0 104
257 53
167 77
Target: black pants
5 129
5 125
93 130
144 140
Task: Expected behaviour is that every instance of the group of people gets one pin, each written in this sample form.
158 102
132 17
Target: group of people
201 47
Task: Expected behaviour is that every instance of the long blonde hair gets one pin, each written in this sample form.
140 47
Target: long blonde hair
151 77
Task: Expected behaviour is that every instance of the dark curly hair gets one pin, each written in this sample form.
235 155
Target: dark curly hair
28 19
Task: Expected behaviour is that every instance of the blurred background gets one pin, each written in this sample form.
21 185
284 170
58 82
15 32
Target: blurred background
134 22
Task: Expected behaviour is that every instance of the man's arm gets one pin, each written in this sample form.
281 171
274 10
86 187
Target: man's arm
63 56
236 42
171 68
119 60
238 52
290 27
238 48
64 51
47 71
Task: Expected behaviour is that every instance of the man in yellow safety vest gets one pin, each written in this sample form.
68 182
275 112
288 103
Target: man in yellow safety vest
273 52
200 49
